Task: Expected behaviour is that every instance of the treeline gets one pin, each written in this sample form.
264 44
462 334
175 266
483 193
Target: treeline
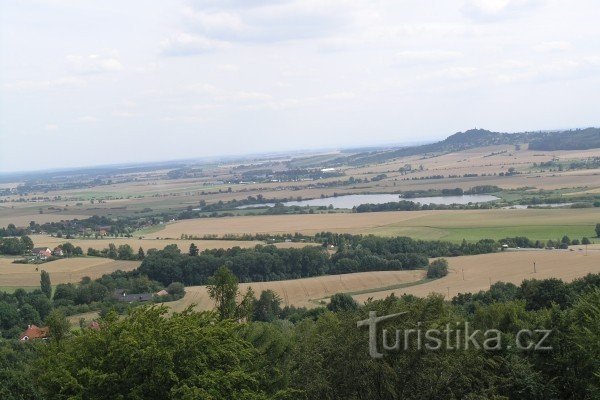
579 139
269 263
324 355
405 205
21 308
16 246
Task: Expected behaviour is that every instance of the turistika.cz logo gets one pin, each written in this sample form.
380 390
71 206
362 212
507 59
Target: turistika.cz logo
458 336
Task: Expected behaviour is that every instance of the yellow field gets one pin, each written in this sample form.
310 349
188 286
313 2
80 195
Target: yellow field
512 267
300 292
61 271
99 244
449 225
478 272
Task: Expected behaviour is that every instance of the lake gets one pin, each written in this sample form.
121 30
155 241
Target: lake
353 200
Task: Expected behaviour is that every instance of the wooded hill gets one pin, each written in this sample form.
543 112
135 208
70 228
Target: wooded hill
579 139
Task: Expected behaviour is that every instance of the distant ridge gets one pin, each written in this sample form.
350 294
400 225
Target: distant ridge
578 139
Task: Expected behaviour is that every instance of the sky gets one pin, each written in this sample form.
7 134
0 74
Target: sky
101 82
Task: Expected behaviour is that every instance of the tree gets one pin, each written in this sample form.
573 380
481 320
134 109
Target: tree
27 242
112 251
267 307
437 269
176 289
342 302
45 284
585 241
149 355
125 252
223 288
193 250
58 325
68 249
141 254
597 230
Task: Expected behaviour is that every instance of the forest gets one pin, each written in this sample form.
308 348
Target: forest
354 253
151 354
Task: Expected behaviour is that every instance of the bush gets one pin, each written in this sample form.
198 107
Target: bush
437 269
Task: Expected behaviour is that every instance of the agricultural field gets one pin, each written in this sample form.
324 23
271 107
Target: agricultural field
452 225
146 244
475 273
66 270
305 292
147 193
466 274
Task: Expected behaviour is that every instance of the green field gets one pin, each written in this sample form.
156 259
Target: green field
539 224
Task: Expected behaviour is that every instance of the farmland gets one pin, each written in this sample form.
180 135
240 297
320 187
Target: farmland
466 274
61 271
146 244
452 225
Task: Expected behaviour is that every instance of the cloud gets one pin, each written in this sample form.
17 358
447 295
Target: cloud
87 118
185 44
93 64
267 21
426 56
556 46
51 127
27 85
496 10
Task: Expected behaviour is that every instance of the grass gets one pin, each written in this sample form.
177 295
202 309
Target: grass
451 225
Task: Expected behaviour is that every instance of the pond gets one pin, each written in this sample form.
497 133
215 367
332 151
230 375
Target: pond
353 200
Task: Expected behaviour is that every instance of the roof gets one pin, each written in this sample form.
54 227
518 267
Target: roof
38 249
35 332
162 293
121 295
94 325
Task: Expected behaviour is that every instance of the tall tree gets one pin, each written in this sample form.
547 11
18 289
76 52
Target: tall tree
27 242
193 250
45 284
141 254
58 324
223 288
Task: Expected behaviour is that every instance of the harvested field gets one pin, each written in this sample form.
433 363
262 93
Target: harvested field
453 225
99 244
479 271
513 267
300 292
61 271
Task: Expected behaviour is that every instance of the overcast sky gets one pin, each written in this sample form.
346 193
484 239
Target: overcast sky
99 82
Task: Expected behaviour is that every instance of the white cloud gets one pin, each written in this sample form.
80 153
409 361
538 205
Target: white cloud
93 64
43 84
495 10
555 46
185 44
426 56
87 118
51 127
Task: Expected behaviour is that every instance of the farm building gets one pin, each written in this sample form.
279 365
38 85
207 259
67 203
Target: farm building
42 252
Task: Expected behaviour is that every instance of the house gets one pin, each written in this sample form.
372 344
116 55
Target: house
58 252
35 332
42 252
121 295
162 293
94 325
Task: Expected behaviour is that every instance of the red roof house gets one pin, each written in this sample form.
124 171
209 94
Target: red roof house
35 332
